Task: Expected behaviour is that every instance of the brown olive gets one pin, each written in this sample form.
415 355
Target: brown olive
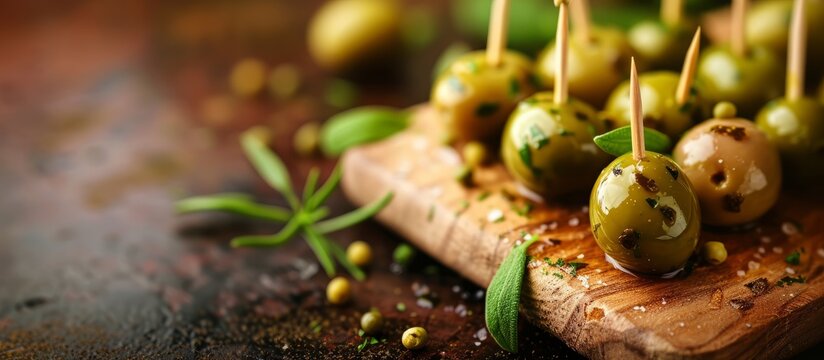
796 128
661 110
549 148
595 67
747 81
644 214
734 169
475 98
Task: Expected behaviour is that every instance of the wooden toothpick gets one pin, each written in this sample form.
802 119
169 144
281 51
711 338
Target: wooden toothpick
636 114
671 12
682 92
496 39
561 47
796 52
737 40
580 17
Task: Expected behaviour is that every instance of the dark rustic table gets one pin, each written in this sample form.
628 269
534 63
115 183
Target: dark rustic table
107 117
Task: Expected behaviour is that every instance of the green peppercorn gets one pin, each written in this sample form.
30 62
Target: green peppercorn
284 81
474 154
714 252
338 291
724 110
248 77
415 338
359 253
371 322
307 138
404 254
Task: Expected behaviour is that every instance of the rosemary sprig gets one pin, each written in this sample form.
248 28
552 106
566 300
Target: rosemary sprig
303 218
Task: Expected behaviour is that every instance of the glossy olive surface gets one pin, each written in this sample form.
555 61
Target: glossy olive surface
659 45
346 33
475 98
796 128
734 169
549 148
748 82
644 214
661 111
595 67
768 25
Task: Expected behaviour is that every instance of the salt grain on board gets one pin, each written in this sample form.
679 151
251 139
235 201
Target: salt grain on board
766 239
789 228
580 256
494 215
639 308
778 250
663 301
752 265
820 252
740 273
790 271
574 221
584 281
762 250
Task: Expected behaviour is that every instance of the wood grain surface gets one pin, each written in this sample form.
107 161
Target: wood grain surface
603 312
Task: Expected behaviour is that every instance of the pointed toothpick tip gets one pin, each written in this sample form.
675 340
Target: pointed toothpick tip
737 37
636 113
682 92
796 53
496 39
561 88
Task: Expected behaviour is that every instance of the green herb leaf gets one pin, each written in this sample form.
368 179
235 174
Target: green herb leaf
354 217
360 126
311 182
234 203
319 247
325 190
619 141
280 238
538 137
794 258
503 297
267 163
338 253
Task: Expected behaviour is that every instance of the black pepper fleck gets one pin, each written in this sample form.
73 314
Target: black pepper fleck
673 172
741 304
646 183
617 171
736 132
629 239
732 202
758 286
669 215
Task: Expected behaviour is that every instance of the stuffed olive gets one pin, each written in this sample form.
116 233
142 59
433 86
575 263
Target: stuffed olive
549 148
475 98
661 110
734 169
644 214
796 128
596 65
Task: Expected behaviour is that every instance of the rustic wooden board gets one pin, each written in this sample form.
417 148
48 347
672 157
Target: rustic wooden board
603 313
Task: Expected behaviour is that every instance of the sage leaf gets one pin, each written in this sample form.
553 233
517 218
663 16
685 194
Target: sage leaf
267 163
354 217
234 203
503 297
360 126
619 141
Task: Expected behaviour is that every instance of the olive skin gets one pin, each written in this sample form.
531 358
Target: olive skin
748 82
658 45
768 24
549 149
644 214
821 92
344 34
796 128
594 67
475 99
735 171
660 109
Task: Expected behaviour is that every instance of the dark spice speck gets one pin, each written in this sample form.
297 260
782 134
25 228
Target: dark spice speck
673 172
617 171
646 183
486 109
758 286
741 304
732 202
669 215
736 132
629 239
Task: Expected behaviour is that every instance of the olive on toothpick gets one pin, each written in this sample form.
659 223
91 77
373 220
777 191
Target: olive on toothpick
597 57
671 103
547 145
643 210
746 76
479 90
795 123
660 43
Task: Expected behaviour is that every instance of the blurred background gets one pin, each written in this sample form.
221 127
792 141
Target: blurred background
112 110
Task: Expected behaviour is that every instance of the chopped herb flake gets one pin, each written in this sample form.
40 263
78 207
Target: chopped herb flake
789 280
794 258
558 275
537 136
401 307
486 109
482 196
514 88
652 203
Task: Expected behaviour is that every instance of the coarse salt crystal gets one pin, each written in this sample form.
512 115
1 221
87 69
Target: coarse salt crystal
553 225
766 239
740 273
574 221
789 228
681 324
580 256
752 265
790 271
757 256
584 281
639 308
762 250
494 215
820 252
778 250
663 301
748 325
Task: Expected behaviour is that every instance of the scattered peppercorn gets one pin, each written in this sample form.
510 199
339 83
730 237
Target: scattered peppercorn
414 338
338 291
307 138
248 77
403 254
359 253
724 110
474 154
714 252
371 322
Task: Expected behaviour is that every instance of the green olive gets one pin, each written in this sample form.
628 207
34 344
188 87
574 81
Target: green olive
821 92
735 171
748 82
714 252
414 338
660 46
768 25
347 33
661 111
644 214
796 128
595 67
475 98
549 147
372 322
